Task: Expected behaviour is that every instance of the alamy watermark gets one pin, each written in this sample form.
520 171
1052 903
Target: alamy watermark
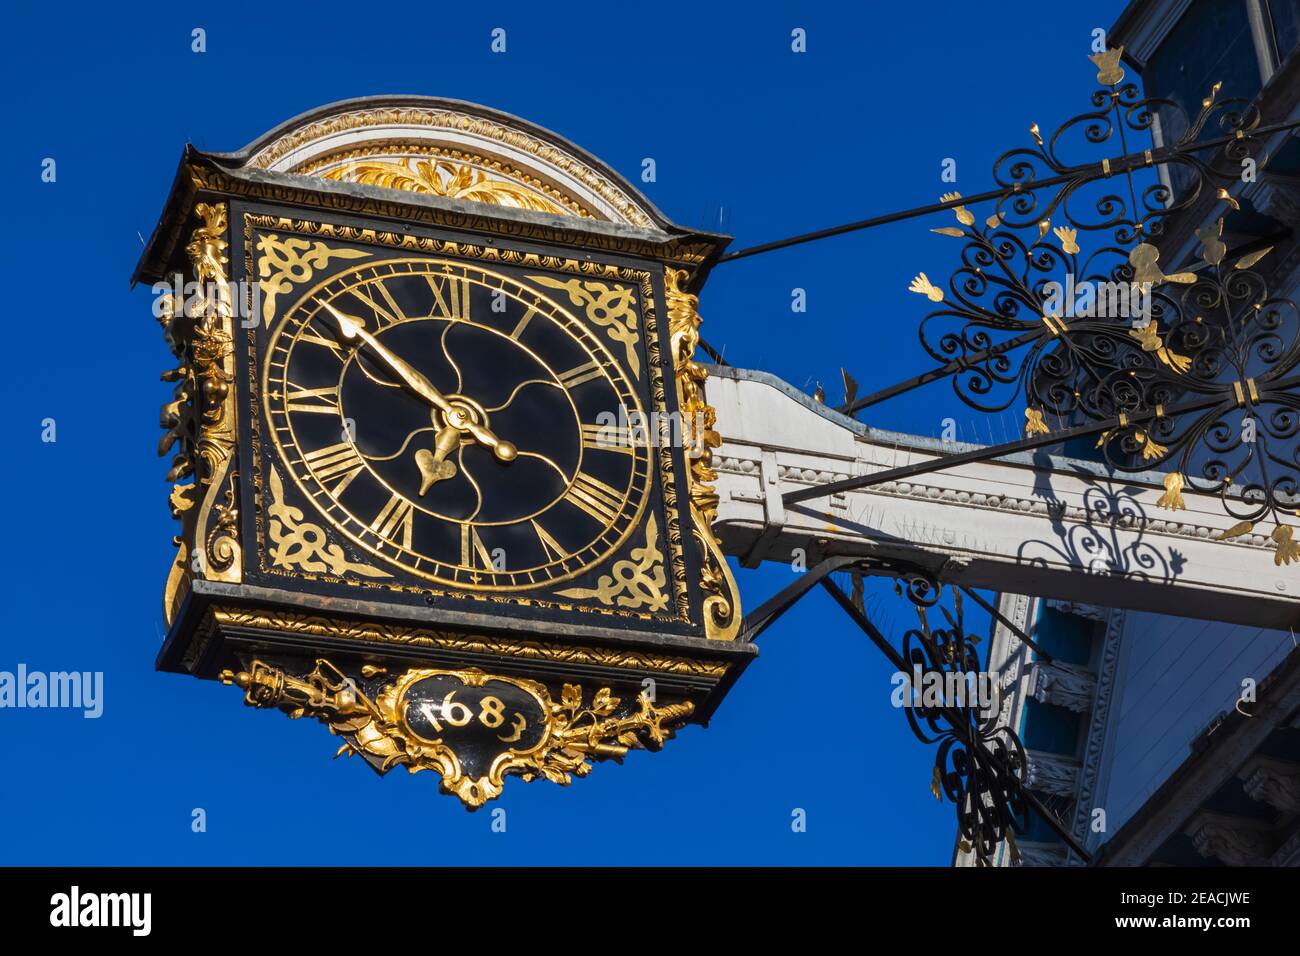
75 909
1089 299
72 690
624 430
944 688
240 298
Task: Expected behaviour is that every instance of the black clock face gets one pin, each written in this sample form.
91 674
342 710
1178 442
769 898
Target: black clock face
457 423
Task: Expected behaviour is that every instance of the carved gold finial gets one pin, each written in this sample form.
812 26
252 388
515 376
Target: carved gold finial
1287 549
1034 424
1237 530
1109 71
964 215
1224 196
1144 258
1069 239
1149 337
922 286
1172 499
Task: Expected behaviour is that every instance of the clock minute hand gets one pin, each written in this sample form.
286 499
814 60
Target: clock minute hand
457 417
352 329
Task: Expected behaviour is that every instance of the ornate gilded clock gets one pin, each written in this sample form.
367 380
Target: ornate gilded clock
440 453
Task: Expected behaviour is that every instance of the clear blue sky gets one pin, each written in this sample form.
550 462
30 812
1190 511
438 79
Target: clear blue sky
781 142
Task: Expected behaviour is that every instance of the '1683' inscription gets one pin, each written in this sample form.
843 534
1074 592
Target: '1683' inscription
478 723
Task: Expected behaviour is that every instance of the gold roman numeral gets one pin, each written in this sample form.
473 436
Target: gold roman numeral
322 401
554 550
617 438
583 373
336 463
594 497
398 515
385 315
523 323
331 344
471 547
451 296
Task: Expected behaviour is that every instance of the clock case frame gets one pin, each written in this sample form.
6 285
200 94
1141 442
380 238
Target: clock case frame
219 624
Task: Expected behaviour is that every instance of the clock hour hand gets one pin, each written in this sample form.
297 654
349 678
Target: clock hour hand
458 416
433 465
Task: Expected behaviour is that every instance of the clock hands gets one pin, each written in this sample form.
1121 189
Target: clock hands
459 415
433 465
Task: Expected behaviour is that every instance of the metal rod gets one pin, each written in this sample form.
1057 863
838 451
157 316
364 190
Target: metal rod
712 353
925 378
1002 619
767 613
954 720
1010 448
1121 165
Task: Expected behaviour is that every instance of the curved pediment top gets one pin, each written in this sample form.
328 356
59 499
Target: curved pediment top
453 149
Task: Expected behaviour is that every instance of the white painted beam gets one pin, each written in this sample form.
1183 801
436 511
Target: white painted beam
1025 524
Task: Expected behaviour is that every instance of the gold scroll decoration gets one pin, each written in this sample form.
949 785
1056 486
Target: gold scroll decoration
199 421
722 599
570 734
213 354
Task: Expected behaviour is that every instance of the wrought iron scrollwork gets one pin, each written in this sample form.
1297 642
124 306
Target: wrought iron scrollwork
998 300
980 763
1190 370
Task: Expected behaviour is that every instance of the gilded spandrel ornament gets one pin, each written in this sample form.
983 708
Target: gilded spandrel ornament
284 263
637 582
611 307
299 543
